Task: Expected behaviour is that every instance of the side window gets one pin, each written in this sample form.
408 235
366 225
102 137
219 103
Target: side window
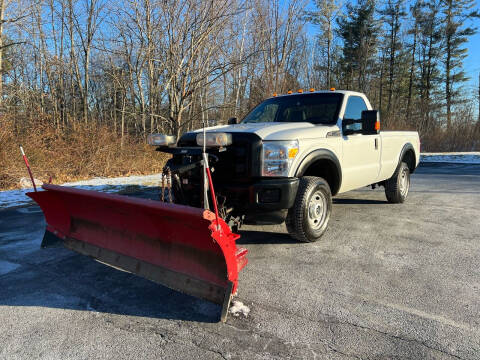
353 111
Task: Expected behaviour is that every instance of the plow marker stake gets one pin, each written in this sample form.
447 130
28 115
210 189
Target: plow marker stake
177 246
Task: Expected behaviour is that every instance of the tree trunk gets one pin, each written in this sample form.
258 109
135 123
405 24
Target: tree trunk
412 70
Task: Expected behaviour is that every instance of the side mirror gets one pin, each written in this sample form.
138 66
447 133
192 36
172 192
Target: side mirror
370 122
232 121
350 127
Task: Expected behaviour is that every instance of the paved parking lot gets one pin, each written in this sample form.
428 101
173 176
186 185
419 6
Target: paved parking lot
386 281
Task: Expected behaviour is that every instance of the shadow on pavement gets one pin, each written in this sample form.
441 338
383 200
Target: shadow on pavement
358 201
437 168
77 282
264 237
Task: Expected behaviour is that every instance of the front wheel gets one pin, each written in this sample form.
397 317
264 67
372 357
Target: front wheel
397 187
308 219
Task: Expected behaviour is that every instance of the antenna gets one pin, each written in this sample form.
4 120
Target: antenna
204 169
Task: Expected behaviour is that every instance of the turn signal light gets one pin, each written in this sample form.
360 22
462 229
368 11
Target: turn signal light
377 125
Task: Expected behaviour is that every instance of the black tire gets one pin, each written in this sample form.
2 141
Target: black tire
308 219
397 187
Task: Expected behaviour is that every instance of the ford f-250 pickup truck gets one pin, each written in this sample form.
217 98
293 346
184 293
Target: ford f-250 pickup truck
287 158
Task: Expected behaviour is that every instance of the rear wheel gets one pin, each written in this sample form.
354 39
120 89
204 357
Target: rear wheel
308 219
397 187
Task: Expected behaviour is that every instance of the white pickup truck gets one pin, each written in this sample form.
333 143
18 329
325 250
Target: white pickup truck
287 158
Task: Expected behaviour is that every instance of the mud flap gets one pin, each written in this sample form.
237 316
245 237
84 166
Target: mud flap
177 246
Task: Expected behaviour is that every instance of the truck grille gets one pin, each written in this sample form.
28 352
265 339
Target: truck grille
239 162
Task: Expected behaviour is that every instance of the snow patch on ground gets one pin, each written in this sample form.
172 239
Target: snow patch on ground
238 308
6 267
452 157
11 198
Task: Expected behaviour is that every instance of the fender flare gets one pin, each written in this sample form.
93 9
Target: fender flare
408 146
316 155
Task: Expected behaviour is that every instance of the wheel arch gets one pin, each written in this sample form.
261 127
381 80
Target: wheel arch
322 163
408 156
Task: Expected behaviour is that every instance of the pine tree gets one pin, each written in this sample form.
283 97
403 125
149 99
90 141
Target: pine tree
429 53
456 13
359 31
392 15
324 17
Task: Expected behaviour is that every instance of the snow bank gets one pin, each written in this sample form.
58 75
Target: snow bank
13 198
452 157
238 308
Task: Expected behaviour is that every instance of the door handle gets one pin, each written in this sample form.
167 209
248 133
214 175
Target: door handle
376 143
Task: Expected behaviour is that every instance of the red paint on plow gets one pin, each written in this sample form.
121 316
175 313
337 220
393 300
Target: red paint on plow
175 245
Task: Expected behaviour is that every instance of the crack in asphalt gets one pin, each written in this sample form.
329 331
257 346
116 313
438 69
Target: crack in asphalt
338 322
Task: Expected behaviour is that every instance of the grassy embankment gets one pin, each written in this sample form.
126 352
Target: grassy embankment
71 154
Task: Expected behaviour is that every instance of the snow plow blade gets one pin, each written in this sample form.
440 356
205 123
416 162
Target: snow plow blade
178 246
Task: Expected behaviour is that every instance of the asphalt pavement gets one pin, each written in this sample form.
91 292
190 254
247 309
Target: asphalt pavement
385 282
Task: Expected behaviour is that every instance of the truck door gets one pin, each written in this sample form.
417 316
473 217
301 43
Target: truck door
361 153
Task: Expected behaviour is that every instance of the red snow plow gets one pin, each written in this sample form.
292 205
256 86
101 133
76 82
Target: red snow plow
182 247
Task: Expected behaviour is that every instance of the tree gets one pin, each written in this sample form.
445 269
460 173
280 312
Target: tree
392 15
430 36
19 11
359 31
456 14
325 17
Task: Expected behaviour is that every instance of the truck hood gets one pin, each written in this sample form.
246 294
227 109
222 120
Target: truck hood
276 130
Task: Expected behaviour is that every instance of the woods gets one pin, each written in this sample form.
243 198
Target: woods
141 66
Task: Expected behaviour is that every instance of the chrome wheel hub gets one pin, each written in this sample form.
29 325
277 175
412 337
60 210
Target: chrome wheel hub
404 183
317 210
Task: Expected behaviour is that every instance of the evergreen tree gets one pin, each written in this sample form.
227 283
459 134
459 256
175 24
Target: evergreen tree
359 31
456 33
392 16
324 17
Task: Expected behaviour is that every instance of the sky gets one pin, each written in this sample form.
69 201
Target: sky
472 62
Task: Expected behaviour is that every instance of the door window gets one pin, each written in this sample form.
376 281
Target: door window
353 111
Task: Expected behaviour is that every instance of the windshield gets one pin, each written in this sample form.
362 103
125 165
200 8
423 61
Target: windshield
319 108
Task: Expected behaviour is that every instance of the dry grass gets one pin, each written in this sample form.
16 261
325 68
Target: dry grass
71 154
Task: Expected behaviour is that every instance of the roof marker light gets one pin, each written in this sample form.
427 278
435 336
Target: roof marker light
300 91
312 89
289 92
332 89
275 94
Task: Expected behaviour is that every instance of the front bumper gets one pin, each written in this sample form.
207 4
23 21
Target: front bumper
266 200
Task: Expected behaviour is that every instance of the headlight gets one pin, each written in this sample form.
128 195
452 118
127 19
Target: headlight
278 156
161 140
214 139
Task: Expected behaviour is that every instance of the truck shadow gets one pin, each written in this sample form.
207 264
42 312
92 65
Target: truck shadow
80 283
358 201
264 237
